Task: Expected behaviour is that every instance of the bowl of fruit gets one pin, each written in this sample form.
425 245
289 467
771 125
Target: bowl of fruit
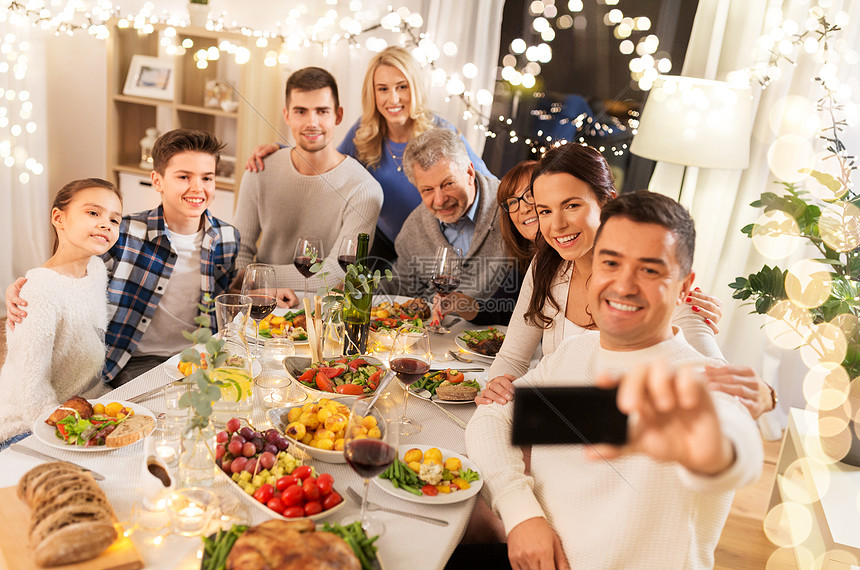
273 479
317 428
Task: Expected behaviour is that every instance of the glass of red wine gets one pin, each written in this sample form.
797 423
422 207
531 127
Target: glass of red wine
346 253
445 279
370 446
410 360
309 250
259 285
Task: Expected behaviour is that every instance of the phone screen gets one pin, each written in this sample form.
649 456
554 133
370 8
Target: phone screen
567 414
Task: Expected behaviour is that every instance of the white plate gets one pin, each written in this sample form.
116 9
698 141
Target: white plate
47 434
439 400
272 514
170 367
441 498
465 347
278 312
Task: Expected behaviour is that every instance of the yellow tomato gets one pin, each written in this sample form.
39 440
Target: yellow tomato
413 455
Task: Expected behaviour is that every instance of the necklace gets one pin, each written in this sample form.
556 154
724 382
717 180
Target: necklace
398 160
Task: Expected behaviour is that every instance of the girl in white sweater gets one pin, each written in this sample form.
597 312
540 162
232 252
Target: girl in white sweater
58 351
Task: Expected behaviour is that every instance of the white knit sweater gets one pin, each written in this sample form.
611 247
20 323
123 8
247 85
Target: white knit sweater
58 351
632 512
522 338
279 205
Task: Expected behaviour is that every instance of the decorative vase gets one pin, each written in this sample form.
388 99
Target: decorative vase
198 15
357 302
197 458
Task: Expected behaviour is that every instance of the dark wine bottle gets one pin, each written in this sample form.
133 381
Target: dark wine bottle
358 300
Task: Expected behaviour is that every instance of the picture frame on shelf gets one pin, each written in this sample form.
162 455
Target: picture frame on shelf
150 77
226 167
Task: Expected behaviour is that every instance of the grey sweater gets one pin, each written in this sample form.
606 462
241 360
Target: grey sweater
485 265
278 205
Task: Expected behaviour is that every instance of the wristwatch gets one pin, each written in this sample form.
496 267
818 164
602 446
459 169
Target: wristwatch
773 397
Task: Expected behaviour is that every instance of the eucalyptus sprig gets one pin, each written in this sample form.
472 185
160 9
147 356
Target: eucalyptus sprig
355 271
208 390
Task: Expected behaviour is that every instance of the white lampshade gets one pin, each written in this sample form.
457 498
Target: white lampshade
696 122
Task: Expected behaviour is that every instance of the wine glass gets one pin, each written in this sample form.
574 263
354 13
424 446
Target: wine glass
259 285
445 277
346 253
367 452
309 250
410 359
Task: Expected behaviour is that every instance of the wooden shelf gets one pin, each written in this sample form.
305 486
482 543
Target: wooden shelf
208 111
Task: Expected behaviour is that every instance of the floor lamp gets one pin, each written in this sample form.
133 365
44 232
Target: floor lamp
697 123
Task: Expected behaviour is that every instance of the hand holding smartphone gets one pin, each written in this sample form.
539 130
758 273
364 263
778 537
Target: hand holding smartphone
567 415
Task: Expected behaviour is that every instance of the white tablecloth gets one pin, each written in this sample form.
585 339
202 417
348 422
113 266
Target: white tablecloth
406 541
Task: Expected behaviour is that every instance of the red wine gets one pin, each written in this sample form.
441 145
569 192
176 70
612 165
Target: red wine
344 260
261 306
409 369
369 457
303 264
445 284
356 338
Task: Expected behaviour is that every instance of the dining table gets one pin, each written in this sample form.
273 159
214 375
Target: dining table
406 542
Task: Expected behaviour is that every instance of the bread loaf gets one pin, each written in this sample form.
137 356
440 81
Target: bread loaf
71 519
130 430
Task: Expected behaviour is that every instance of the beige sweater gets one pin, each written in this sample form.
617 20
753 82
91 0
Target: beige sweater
58 351
631 512
278 205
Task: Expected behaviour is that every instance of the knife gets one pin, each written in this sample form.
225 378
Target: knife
27 451
145 395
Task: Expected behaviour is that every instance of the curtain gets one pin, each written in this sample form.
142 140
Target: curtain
721 200
24 217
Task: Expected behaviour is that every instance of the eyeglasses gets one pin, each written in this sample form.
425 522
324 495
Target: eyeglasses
512 204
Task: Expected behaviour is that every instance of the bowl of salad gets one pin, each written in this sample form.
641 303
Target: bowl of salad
354 375
386 318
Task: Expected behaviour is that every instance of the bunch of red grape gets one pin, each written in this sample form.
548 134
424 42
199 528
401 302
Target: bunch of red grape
243 449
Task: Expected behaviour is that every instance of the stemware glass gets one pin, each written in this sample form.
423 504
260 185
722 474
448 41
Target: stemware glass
446 269
259 285
410 359
346 253
368 455
308 251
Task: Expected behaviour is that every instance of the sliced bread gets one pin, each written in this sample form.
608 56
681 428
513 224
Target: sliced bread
130 430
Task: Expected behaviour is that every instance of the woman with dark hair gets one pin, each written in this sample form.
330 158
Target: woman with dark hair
519 226
569 187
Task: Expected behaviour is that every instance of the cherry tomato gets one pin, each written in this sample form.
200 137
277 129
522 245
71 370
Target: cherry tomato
308 375
284 482
325 483
331 371
373 381
310 490
313 508
294 512
264 493
293 496
324 383
350 389
430 490
358 362
454 376
331 501
302 472
276 505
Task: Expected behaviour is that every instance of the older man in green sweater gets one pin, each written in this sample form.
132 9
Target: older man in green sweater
459 210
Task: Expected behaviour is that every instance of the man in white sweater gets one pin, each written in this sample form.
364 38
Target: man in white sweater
662 500
309 190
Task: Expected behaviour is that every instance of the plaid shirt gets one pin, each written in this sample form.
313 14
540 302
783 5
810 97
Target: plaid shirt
139 267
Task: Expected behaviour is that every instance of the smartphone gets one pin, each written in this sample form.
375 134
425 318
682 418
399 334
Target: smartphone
567 414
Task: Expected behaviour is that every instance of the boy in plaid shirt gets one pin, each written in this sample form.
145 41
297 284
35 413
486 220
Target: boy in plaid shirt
165 260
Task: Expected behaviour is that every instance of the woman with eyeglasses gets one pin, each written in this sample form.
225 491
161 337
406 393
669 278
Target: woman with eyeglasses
519 227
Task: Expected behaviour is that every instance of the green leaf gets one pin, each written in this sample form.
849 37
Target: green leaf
747 230
763 305
190 355
188 336
388 274
825 179
203 336
203 321
213 345
316 267
739 283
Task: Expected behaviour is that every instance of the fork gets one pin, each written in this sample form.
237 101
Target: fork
462 358
374 507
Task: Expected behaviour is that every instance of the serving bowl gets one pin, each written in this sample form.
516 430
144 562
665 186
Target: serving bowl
296 365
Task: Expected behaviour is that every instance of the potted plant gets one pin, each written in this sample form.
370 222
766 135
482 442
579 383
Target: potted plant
814 305
198 13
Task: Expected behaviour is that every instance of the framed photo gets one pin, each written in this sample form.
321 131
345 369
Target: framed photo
150 77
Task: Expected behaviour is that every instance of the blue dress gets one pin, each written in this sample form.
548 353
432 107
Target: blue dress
401 197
